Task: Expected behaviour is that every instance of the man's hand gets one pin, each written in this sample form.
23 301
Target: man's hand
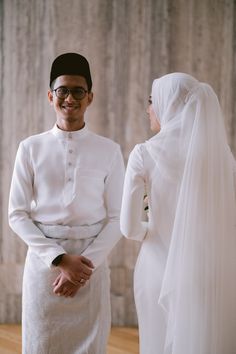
63 287
75 268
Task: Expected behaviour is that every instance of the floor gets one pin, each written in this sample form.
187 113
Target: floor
122 340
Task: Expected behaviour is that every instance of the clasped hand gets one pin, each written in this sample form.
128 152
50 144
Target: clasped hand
75 272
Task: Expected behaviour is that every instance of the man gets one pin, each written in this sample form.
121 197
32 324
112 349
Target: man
64 203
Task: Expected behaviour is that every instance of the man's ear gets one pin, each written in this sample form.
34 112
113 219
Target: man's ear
90 97
50 96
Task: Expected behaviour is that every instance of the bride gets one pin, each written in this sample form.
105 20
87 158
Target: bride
184 281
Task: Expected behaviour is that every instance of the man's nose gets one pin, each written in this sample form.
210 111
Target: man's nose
70 97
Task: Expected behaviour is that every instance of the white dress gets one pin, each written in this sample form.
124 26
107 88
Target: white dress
66 186
152 257
187 262
155 243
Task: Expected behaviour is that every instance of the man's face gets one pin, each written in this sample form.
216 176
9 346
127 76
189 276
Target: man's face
70 109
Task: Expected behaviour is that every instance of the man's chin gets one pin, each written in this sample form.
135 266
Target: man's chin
70 119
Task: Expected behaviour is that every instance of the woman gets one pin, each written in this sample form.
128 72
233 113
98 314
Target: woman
184 281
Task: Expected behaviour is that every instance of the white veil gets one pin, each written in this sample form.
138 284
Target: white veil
195 188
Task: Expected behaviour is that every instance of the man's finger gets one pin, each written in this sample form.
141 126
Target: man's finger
59 287
56 280
85 276
87 262
86 270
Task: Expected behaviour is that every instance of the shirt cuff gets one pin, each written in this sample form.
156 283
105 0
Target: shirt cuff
57 260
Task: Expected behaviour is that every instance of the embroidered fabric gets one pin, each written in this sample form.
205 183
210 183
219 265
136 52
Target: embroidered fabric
66 232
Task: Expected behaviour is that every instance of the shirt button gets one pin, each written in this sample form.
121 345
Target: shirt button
69 179
70 136
70 151
69 163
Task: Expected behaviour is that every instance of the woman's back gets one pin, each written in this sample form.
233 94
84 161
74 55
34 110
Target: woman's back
189 173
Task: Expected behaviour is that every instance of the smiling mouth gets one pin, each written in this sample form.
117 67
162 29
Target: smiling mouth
69 108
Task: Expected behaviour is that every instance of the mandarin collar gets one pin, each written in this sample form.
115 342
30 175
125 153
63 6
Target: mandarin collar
73 135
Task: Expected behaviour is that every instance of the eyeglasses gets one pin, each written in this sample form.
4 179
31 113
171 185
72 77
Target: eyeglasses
63 92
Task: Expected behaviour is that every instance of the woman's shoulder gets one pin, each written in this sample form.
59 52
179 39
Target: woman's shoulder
141 158
137 158
139 150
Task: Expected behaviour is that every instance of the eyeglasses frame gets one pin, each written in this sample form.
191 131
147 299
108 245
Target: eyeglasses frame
69 91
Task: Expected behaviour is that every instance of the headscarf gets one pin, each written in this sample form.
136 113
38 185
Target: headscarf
195 183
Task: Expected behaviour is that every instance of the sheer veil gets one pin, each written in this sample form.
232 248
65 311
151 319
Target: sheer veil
195 185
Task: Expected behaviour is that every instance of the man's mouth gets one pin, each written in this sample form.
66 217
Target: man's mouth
69 108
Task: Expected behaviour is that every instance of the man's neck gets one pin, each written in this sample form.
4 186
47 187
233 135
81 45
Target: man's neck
70 127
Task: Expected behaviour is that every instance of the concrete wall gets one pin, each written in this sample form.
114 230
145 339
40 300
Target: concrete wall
128 43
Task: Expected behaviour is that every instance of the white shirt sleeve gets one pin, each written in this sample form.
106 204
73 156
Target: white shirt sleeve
98 251
21 197
132 225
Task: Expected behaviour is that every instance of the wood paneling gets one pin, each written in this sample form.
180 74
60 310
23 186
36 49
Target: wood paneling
122 340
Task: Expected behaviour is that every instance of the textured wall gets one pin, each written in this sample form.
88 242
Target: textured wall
128 44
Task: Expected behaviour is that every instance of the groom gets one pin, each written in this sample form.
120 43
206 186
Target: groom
65 203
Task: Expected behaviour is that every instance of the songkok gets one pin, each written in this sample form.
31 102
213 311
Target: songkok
71 64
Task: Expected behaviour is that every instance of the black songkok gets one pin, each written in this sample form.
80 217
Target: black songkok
71 64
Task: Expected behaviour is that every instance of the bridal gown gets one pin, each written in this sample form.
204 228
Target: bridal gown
154 236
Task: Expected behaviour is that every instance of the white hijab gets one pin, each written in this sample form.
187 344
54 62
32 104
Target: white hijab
195 167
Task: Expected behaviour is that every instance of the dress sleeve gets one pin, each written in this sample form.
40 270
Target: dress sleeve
132 225
99 249
21 197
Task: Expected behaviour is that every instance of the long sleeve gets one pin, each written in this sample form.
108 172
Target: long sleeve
132 225
21 198
98 251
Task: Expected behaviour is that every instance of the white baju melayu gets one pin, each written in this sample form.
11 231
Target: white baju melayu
184 281
65 198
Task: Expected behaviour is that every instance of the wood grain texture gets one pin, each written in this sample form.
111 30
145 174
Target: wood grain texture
121 341
10 339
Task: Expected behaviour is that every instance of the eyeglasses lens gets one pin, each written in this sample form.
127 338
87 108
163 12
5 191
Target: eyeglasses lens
78 93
